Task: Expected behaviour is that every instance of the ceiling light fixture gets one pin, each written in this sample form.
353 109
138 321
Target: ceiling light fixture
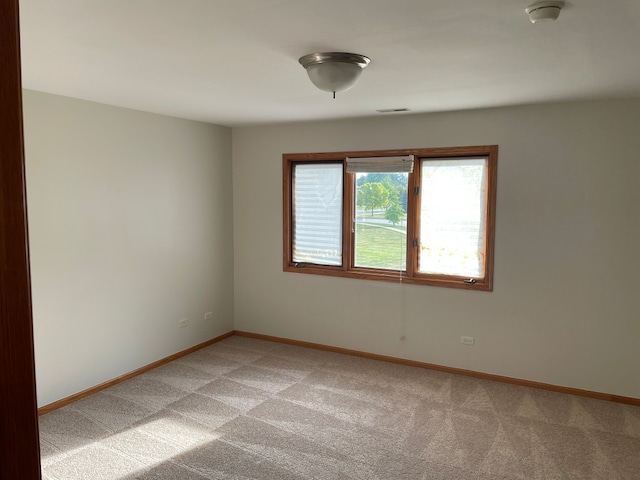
334 71
544 11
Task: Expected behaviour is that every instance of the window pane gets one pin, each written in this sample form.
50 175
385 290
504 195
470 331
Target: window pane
317 213
453 217
381 220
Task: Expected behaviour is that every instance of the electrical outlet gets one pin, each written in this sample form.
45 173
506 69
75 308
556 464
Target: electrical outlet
183 322
208 315
467 340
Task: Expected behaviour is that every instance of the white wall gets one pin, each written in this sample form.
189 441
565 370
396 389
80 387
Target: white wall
130 220
565 309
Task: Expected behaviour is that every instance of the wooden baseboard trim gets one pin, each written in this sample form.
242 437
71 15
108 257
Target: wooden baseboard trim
374 356
90 391
455 371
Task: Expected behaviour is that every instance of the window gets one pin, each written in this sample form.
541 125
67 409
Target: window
424 216
317 237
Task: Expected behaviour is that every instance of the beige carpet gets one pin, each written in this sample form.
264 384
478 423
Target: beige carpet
249 409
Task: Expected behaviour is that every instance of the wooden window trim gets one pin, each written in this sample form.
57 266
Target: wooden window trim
411 274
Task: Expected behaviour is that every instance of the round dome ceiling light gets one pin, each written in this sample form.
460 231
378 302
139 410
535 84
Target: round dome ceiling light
544 11
334 71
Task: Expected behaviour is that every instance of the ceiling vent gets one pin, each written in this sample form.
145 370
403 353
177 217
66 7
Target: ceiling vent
392 110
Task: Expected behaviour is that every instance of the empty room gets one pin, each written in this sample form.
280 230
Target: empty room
296 239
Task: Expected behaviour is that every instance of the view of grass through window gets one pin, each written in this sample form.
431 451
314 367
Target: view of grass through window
381 220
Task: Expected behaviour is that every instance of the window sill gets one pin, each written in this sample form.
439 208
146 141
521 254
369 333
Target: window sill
481 285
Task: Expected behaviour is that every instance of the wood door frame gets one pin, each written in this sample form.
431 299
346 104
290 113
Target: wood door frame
19 440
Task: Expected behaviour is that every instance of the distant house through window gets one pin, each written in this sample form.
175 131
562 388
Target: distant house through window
424 216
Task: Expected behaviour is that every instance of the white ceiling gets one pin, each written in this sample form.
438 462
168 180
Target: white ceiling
235 62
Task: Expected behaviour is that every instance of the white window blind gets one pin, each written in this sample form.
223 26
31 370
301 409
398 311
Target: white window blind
453 216
380 164
317 213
